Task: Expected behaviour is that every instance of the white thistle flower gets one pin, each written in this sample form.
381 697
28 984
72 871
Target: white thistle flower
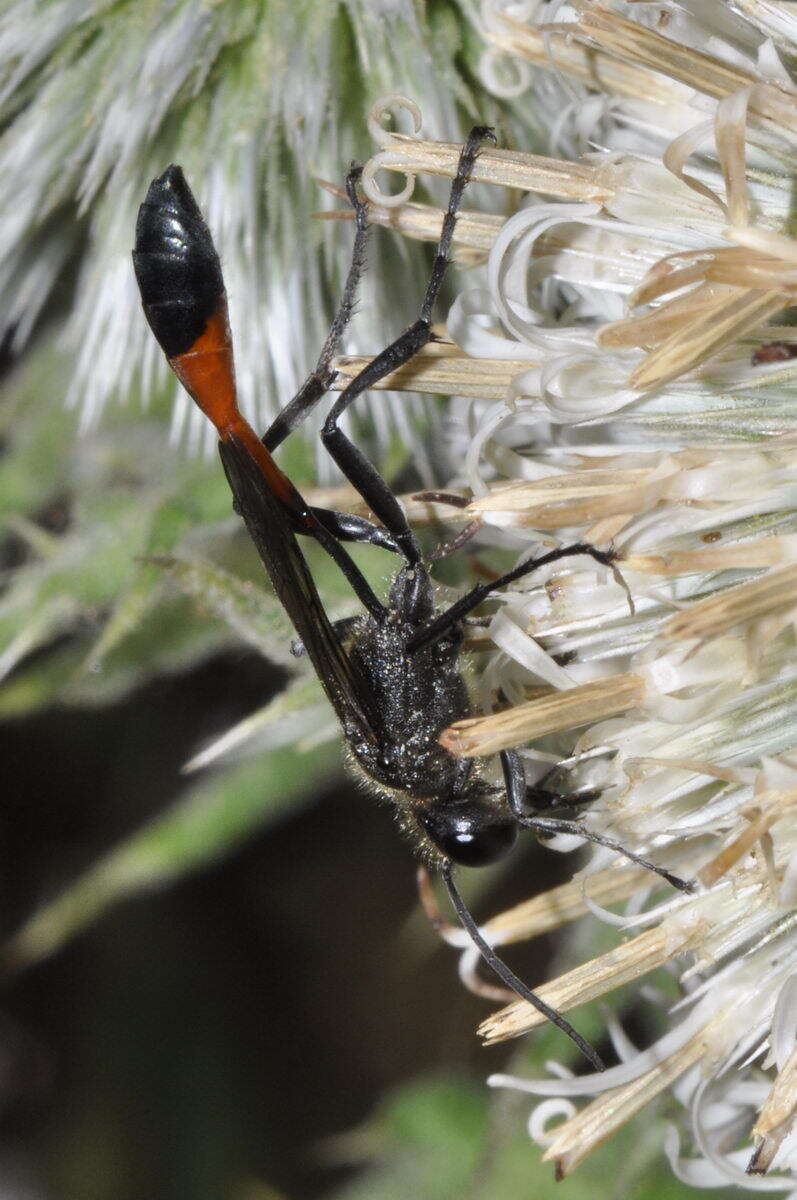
615 383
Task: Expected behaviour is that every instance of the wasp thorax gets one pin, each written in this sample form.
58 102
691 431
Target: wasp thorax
411 595
472 832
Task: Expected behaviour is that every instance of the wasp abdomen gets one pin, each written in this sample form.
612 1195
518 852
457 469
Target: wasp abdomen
176 264
182 290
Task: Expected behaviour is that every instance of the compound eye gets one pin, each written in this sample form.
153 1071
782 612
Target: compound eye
472 833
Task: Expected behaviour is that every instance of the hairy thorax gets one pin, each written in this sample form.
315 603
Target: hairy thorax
417 696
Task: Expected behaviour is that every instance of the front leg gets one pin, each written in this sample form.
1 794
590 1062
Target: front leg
526 799
515 782
553 803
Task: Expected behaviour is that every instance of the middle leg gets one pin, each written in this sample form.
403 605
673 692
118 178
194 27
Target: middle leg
396 534
355 466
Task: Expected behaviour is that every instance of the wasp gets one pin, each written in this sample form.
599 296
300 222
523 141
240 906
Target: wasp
392 674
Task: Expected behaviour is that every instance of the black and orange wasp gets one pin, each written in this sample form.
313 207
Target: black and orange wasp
392 674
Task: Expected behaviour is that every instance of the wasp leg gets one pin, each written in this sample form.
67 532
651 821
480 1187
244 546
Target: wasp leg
560 804
552 802
550 825
317 383
342 628
459 539
354 465
238 467
397 535
515 782
521 795
343 526
456 542
440 626
347 527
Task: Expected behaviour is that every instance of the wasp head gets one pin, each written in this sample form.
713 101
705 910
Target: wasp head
472 830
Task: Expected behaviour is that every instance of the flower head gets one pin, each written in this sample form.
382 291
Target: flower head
615 383
612 382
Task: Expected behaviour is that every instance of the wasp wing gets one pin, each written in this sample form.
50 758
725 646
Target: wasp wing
267 524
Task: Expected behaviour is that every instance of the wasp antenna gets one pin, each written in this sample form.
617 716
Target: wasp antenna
510 978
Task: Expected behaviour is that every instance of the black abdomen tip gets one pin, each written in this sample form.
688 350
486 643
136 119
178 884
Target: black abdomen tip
170 190
176 264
